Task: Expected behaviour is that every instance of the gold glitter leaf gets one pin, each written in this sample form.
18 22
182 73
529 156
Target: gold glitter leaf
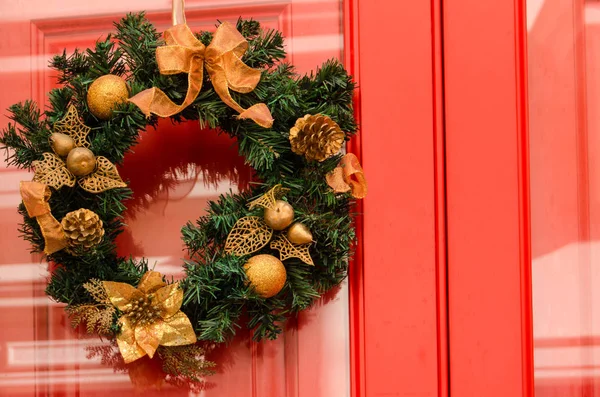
249 234
72 126
52 171
288 250
268 199
105 177
98 317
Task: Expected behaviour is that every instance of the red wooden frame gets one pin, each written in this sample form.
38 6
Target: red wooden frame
489 259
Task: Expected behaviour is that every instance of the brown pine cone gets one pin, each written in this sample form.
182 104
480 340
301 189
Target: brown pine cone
317 137
83 228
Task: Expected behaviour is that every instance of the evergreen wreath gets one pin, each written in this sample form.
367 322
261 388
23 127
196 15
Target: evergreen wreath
233 267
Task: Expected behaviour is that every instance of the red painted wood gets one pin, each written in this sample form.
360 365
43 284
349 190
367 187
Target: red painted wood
400 338
487 199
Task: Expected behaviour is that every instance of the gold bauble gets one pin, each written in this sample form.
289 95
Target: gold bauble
280 215
61 143
81 161
299 234
266 274
105 94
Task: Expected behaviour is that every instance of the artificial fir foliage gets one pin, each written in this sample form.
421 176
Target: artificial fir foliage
216 292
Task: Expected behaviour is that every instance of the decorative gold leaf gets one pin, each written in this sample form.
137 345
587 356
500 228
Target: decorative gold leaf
105 177
53 172
72 126
98 318
288 250
249 234
177 331
268 199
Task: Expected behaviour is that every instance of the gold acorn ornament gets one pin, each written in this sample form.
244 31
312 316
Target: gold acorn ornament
317 137
105 94
266 274
298 233
94 174
279 216
83 228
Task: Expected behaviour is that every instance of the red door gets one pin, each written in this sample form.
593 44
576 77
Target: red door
383 333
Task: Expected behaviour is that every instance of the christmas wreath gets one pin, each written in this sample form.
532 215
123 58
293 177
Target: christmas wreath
267 252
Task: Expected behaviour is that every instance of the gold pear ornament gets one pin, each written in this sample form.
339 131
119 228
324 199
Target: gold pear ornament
298 233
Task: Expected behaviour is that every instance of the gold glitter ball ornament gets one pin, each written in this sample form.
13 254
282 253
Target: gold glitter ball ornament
279 216
62 144
81 161
266 274
83 228
105 94
317 137
299 234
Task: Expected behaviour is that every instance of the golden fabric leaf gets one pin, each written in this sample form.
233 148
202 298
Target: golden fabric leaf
288 250
178 331
249 234
269 199
122 295
170 298
151 281
105 177
52 171
72 126
128 347
149 337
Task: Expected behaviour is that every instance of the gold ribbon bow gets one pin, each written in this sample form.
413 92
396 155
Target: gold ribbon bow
186 54
35 198
348 176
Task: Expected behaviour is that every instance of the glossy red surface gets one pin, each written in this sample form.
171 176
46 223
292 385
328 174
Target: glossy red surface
400 274
174 171
489 281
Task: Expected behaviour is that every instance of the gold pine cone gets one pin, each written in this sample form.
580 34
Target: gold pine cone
317 137
105 94
266 273
83 228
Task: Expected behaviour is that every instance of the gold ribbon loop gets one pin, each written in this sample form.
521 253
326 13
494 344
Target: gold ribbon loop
35 198
348 176
186 54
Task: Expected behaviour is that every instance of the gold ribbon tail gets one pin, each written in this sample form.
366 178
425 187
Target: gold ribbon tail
348 176
35 197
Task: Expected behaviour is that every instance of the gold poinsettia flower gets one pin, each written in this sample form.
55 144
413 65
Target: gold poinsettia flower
151 316
69 142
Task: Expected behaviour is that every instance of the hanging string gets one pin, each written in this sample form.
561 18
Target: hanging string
178 12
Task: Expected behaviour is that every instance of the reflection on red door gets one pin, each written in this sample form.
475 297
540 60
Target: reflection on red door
174 172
